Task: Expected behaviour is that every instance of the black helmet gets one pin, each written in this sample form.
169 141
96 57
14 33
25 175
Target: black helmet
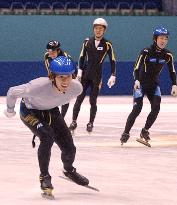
53 45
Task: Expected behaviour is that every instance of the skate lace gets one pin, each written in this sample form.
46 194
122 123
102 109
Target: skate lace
76 177
46 181
145 132
73 124
74 174
90 125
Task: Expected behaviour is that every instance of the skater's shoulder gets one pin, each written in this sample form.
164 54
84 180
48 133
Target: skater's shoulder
75 83
86 40
107 41
168 52
145 50
76 86
40 82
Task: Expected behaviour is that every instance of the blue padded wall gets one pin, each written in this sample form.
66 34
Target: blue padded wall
15 73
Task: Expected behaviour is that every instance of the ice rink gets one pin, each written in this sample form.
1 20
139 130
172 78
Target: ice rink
128 175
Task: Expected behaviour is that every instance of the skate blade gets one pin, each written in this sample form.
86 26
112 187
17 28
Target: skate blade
143 142
47 194
91 187
89 132
86 186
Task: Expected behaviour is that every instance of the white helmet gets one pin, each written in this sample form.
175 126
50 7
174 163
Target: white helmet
100 21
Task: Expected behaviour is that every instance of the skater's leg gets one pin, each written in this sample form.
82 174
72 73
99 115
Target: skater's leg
64 109
44 150
76 110
77 105
45 135
35 121
155 101
64 140
79 100
137 107
93 101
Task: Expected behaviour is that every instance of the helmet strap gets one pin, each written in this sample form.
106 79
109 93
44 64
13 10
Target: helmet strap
54 83
52 78
156 46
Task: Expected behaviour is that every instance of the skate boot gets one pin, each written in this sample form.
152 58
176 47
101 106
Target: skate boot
124 138
73 126
46 186
76 177
89 127
145 134
144 137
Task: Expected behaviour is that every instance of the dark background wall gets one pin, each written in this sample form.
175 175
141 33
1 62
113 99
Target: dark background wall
23 40
15 73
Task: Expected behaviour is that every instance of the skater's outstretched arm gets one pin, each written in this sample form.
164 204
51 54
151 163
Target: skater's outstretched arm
172 72
111 54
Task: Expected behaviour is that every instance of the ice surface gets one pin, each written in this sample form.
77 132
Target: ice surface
128 175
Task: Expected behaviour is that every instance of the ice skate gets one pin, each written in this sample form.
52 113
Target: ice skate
89 127
76 177
145 134
86 186
124 138
73 126
144 137
46 187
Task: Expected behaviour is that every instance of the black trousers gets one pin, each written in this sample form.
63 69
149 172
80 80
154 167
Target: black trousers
50 127
64 109
86 83
154 97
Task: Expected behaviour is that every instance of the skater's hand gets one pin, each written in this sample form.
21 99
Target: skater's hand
111 81
79 74
174 90
137 85
9 113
